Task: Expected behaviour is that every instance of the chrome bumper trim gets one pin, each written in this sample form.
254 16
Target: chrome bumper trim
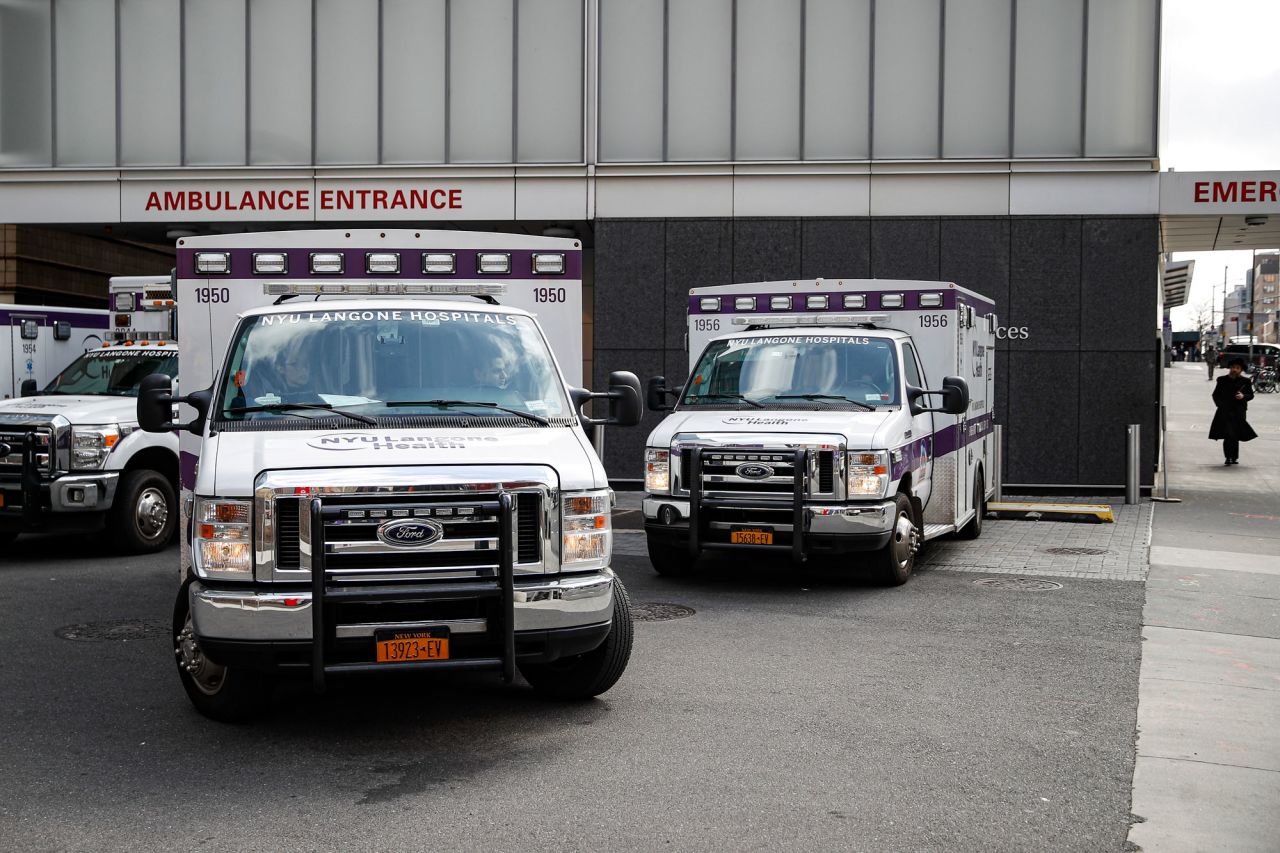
839 519
99 492
455 626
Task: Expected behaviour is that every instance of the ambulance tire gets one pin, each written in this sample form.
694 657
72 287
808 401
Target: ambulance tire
583 676
221 693
973 529
893 563
671 561
145 513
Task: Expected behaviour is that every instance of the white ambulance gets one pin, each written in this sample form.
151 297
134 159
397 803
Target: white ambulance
384 467
72 457
824 417
37 340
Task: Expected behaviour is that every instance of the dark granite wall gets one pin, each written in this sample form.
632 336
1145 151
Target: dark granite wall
1084 288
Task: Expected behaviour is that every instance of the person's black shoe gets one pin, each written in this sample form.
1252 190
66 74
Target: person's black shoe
1226 462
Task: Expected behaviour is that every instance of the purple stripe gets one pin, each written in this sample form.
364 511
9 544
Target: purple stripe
75 318
914 455
835 302
466 262
978 427
187 464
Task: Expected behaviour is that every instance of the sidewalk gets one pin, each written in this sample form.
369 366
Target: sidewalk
1207 775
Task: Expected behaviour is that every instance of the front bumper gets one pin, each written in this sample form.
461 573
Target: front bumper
824 528
71 501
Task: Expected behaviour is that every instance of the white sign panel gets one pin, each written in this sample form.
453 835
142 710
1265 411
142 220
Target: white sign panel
1219 192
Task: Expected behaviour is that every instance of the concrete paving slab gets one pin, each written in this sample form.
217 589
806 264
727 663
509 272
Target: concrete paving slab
1211 581
1193 807
1226 725
1201 610
1263 564
1211 659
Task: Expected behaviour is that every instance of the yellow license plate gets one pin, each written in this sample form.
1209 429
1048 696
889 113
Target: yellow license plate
411 646
751 537
1 498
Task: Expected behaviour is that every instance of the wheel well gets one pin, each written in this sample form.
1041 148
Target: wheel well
904 486
156 459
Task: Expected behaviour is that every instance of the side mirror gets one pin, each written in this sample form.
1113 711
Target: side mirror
954 393
155 405
656 394
28 388
624 396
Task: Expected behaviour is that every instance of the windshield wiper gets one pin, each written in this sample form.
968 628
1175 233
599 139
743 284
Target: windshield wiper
483 404
724 396
285 407
824 398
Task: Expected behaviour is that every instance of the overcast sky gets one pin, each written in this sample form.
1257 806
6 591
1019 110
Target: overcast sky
1220 105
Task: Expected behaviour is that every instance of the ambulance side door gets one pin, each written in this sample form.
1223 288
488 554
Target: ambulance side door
921 440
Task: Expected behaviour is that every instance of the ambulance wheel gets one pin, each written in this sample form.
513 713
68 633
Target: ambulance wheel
144 514
893 563
218 692
587 675
670 561
973 529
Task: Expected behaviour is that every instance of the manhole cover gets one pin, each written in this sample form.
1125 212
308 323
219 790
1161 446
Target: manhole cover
1021 584
119 629
655 612
1076 552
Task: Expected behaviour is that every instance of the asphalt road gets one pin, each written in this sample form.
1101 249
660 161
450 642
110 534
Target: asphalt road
789 712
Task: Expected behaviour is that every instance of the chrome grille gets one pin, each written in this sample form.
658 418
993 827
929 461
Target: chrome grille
720 473
14 437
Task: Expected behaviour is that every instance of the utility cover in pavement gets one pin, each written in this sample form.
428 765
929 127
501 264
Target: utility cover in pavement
119 629
1019 584
657 612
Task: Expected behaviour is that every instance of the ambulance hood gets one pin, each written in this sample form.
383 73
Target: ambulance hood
242 456
78 409
860 430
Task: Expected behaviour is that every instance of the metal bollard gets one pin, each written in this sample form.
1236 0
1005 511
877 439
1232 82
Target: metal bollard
1131 463
997 462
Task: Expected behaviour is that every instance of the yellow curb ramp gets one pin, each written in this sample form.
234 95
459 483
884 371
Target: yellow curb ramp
1056 512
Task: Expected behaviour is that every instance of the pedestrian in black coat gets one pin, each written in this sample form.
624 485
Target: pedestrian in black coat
1232 395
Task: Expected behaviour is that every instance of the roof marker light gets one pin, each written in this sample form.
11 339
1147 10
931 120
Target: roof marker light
270 263
855 300
744 303
931 300
385 263
779 303
493 263
438 263
327 263
709 303
815 303
812 320
213 263
391 288
548 263
122 302
891 300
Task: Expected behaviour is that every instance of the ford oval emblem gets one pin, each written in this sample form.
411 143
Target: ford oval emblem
753 471
410 532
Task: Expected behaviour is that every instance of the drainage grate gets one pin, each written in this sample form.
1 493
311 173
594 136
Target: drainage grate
657 612
119 629
1076 552
1019 584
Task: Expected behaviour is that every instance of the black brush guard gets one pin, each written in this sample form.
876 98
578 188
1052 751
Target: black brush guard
699 504
323 593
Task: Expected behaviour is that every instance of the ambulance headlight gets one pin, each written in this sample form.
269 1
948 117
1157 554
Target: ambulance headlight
657 471
744 303
382 263
224 547
122 302
816 303
931 300
493 263
709 303
779 303
855 300
438 263
91 445
327 263
548 263
587 533
270 263
868 473
891 300
213 263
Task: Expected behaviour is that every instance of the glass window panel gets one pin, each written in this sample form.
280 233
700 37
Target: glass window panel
213 101
837 79
480 50
906 82
975 100
768 91
1121 78
1046 106
630 80
549 99
347 81
279 82
699 51
413 81
85 77
26 84
150 100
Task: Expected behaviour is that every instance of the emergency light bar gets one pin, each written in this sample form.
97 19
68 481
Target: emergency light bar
327 263
382 263
390 288
812 320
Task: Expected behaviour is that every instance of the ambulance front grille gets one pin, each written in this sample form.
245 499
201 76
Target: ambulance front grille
14 437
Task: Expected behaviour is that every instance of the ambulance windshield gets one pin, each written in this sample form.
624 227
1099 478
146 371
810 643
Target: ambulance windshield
796 372
113 371
391 362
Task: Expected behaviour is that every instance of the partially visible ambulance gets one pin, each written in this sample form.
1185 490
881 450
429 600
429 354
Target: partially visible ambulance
37 340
